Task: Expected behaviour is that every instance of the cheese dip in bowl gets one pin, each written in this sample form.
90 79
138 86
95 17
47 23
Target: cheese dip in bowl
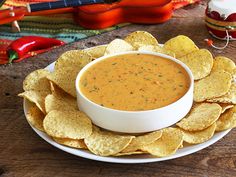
135 92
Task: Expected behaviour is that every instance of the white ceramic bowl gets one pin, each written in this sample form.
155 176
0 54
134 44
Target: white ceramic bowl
135 121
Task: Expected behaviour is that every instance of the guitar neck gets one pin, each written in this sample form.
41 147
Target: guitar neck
60 4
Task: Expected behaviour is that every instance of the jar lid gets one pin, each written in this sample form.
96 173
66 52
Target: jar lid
224 7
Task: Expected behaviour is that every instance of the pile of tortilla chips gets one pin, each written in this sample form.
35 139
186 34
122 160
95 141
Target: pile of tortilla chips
55 109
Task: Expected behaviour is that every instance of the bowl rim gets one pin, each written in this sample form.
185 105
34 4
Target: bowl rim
186 68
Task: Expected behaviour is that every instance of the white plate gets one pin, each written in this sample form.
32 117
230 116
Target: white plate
125 159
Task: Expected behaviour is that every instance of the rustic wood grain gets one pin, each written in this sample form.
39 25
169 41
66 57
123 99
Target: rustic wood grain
24 154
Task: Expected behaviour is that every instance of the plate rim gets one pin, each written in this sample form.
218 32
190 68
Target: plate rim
88 155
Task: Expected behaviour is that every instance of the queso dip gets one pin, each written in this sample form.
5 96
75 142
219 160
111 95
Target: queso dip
134 82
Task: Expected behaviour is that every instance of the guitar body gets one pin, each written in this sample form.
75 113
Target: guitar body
100 16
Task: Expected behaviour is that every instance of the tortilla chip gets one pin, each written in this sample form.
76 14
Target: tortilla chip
168 144
37 81
141 38
200 63
181 45
198 137
229 97
201 116
181 146
57 91
158 49
105 143
129 153
65 79
118 46
67 68
78 144
225 106
73 58
215 85
67 124
97 51
35 117
139 141
229 66
223 63
37 97
60 103
234 75
227 120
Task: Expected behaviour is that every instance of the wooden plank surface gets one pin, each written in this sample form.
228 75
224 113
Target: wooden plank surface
24 154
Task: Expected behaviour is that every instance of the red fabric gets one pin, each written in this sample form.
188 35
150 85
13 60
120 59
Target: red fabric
3 45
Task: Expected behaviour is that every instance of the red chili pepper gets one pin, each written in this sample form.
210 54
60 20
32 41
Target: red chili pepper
20 47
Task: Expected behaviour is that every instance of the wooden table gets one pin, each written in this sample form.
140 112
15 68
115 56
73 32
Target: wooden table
24 154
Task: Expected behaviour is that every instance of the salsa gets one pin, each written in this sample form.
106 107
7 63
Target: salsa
134 82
